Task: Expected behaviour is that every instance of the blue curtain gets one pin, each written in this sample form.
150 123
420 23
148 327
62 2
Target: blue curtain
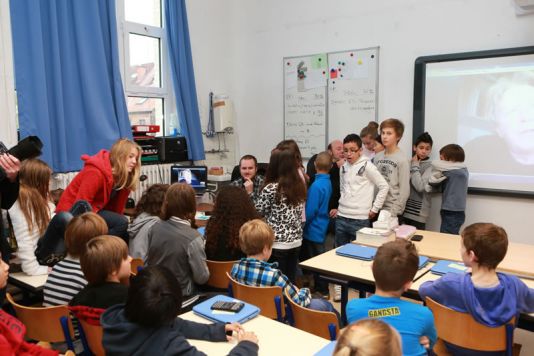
67 77
183 76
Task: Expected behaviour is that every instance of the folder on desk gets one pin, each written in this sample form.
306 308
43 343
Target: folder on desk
204 310
443 267
328 350
423 260
357 251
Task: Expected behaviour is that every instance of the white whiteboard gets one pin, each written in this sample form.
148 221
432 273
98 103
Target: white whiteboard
352 91
305 102
329 95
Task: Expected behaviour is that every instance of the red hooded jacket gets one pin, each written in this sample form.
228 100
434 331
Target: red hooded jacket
94 184
12 339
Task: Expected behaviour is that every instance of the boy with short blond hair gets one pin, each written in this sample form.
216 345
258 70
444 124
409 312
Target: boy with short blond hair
256 240
394 267
106 266
317 215
394 166
492 298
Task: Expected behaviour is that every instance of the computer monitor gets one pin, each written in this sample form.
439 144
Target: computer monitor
195 176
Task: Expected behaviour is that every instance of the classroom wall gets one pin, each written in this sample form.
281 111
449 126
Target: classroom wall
238 46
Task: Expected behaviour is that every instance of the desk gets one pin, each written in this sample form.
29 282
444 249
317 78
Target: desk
274 337
519 259
33 284
348 272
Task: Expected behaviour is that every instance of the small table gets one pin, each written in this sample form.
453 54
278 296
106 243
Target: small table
347 272
275 338
33 284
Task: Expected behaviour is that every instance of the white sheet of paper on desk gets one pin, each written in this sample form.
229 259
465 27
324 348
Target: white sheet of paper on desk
457 266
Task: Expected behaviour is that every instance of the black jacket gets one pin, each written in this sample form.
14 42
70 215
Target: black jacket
122 337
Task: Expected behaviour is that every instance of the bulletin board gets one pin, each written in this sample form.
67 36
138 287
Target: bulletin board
328 96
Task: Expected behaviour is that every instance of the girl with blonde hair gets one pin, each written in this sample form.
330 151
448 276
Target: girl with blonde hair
31 213
105 182
368 337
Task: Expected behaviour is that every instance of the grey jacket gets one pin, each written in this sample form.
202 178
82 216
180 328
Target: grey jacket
175 245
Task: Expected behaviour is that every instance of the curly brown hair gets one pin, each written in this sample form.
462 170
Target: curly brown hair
232 209
152 200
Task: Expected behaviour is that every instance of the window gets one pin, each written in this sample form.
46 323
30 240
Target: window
144 65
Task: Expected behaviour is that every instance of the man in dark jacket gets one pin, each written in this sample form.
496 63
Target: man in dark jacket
9 192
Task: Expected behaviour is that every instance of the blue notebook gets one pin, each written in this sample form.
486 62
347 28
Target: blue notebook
443 267
328 350
357 251
204 310
423 260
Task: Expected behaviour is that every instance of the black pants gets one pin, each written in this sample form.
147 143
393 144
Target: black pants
287 261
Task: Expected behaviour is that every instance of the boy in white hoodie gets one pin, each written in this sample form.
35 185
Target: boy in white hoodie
358 178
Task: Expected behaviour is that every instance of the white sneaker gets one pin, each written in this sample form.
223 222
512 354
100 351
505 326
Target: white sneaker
337 293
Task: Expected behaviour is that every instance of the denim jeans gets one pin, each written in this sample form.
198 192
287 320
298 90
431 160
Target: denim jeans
451 221
117 224
287 261
324 305
346 229
311 249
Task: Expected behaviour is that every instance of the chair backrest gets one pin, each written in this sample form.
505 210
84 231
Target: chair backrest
462 330
270 300
93 335
43 323
136 262
320 323
218 273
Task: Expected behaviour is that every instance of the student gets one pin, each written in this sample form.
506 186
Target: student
394 166
175 244
317 217
358 180
250 180
368 337
148 324
31 213
232 209
105 182
281 202
67 278
12 330
394 268
368 135
492 298
418 204
335 148
451 174
106 266
147 212
9 192
256 239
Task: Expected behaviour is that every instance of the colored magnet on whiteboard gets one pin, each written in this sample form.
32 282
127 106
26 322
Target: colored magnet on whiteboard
372 56
341 75
288 63
324 72
333 73
360 61
352 55
343 63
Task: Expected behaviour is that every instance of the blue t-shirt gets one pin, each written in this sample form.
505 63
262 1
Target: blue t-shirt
410 319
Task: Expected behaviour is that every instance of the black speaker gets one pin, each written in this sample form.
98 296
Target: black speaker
172 149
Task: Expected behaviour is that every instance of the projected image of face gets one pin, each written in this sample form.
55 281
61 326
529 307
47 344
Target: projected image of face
514 115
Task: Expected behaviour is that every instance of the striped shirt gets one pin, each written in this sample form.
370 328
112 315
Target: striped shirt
64 282
253 272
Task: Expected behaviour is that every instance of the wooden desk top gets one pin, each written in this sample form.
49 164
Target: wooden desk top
275 338
345 268
31 283
519 259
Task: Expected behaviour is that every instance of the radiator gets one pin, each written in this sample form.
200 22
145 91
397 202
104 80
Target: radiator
156 173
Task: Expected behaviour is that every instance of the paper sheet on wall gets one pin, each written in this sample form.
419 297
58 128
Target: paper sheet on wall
314 79
291 79
357 69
